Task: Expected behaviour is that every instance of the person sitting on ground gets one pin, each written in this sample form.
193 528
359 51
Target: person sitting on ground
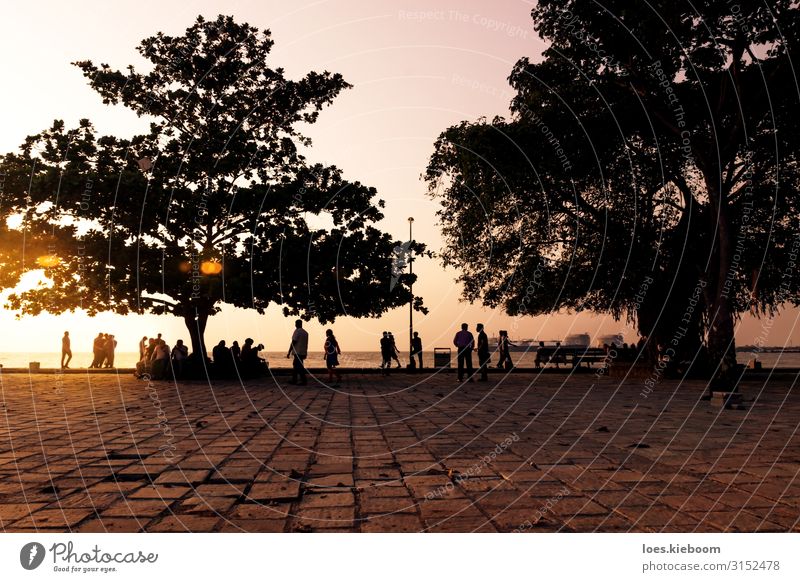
144 366
252 365
222 358
331 351
160 361
236 354
180 353
151 347
247 354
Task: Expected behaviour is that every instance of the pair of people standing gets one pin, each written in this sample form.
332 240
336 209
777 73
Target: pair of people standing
465 344
298 351
103 349
389 352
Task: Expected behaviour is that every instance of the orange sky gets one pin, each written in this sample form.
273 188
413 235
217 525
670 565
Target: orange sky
417 67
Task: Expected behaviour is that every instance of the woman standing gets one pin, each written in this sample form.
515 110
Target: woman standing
332 352
504 350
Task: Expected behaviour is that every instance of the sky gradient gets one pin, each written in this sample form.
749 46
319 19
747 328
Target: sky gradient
416 68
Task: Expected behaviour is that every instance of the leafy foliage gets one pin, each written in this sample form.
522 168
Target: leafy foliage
215 205
652 141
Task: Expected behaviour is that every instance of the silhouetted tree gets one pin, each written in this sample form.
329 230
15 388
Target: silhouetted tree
215 205
654 141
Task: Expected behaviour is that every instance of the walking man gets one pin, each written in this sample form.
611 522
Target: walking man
386 358
483 353
464 342
66 350
393 351
416 348
298 350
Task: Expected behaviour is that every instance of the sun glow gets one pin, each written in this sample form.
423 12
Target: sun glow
31 280
47 261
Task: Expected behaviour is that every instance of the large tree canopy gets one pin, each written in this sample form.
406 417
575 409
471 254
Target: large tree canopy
649 170
216 204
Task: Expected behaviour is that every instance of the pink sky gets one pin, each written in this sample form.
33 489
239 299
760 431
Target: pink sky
416 67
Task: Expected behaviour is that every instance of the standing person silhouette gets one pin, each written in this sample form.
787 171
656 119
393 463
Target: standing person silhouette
416 348
298 351
386 350
110 347
483 353
393 351
332 351
142 348
504 348
98 349
464 342
66 350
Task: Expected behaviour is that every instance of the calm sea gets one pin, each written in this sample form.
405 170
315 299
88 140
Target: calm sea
353 359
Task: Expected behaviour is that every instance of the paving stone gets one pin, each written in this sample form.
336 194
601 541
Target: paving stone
333 481
182 477
136 508
159 492
274 491
47 518
184 523
111 525
260 512
392 524
254 526
381 455
327 500
324 517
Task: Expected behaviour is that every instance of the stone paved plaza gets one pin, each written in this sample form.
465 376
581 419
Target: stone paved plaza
533 453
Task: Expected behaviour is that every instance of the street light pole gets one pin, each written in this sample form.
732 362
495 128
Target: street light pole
411 303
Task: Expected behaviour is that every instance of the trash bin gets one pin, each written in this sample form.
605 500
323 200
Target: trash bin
441 358
34 366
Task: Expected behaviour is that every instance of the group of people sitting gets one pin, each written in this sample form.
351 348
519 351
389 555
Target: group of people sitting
158 362
238 360
103 349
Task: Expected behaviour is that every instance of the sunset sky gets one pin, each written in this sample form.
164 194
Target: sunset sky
416 67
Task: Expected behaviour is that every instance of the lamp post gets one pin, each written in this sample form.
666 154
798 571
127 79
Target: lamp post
411 303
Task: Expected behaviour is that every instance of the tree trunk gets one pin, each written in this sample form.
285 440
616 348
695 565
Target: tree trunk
721 340
196 325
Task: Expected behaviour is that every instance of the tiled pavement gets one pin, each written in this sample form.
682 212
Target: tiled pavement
527 453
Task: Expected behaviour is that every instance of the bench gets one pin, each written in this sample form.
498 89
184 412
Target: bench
569 355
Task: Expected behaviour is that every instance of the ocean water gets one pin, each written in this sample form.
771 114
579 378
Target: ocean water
315 359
